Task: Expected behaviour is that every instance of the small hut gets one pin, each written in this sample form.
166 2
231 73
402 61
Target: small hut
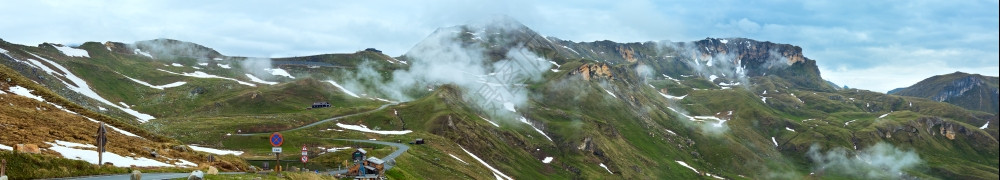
320 105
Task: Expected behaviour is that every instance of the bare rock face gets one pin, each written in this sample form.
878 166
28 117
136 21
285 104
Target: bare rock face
948 131
27 148
627 53
593 71
585 145
752 52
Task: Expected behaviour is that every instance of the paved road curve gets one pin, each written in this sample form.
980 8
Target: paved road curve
144 176
400 148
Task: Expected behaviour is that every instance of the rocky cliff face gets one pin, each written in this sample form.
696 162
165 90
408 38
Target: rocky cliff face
593 71
752 53
958 88
971 91
729 57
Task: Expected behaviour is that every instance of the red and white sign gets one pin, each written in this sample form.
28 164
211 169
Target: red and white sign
305 153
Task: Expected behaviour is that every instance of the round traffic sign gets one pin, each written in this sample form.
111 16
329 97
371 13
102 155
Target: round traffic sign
304 159
276 139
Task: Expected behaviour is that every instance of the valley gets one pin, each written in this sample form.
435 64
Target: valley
493 100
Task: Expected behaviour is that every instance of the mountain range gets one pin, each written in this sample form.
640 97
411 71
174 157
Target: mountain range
496 100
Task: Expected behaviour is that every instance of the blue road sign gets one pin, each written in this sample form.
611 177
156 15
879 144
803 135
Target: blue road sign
276 139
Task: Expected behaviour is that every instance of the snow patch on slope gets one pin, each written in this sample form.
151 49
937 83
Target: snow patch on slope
606 168
525 120
883 116
69 51
547 160
342 88
161 87
495 171
612 94
83 88
24 92
280 72
258 80
673 97
456 158
199 74
687 166
491 122
364 128
67 150
849 122
214 151
140 52
671 78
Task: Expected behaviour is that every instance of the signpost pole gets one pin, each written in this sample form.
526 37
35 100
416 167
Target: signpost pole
102 139
305 158
276 140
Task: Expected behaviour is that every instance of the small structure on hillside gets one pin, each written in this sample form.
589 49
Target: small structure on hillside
323 104
418 141
366 167
373 50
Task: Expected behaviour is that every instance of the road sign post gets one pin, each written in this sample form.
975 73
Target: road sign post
102 139
276 141
305 156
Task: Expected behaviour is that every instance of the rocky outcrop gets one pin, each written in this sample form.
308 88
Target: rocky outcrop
958 88
27 148
947 129
585 145
751 52
627 53
212 170
593 71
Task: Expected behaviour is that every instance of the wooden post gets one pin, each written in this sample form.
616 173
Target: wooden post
3 167
102 139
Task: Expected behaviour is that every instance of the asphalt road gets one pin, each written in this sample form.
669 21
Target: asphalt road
400 148
144 176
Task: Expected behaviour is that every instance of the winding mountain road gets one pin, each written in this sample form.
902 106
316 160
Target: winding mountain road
325 120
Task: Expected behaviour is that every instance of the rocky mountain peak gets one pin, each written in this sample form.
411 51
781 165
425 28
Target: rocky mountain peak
750 51
971 91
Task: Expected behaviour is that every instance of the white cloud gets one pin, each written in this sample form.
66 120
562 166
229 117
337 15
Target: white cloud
836 33
748 26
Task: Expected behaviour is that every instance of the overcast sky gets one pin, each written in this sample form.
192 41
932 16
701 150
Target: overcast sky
875 45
